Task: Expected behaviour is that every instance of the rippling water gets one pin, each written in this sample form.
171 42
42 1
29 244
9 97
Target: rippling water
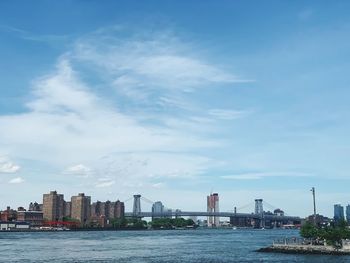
201 245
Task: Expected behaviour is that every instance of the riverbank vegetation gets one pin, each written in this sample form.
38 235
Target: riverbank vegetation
170 223
332 234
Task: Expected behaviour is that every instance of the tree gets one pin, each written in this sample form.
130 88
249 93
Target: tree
309 230
332 234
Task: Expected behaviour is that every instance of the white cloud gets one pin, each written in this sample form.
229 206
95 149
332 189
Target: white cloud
104 182
149 68
68 123
6 166
79 170
224 114
73 126
17 180
257 176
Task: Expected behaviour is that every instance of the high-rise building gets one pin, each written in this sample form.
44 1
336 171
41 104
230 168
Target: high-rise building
338 213
119 211
157 208
348 213
213 206
96 209
53 206
106 209
80 208
67 209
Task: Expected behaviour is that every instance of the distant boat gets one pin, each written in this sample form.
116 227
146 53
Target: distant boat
234 228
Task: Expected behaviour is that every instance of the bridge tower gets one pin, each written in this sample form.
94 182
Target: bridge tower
259 210
136 210
259 206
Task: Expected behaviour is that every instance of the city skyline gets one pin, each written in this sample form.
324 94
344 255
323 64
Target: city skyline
256 206
175 100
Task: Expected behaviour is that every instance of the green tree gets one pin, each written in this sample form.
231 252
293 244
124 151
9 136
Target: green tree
309 230
332 234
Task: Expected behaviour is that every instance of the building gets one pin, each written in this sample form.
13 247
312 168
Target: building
34 218
117 209
53 206
96 209
80 208
348 213
102 212
67 209
7 226
8 215
213 206
157 208
105 209
34 207
320 220
278 212
338 213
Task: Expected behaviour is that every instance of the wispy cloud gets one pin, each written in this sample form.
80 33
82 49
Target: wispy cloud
261 175
104 182
6 166
151 68
26 35
225 114
78 170
17 180
149 128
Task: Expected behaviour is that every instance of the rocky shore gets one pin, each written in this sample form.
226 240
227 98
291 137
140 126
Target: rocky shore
304 249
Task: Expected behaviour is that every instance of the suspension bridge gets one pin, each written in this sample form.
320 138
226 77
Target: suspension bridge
258 215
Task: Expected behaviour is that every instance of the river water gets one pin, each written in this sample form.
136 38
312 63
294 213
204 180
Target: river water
201 245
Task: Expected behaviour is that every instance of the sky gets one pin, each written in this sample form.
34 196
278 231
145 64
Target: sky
175 100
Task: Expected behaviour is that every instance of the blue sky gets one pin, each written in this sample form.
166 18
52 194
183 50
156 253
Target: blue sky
175 99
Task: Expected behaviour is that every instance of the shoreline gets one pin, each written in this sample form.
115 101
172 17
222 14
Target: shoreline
304 249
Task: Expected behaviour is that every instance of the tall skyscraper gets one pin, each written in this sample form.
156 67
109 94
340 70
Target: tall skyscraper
338 213
80 208
53 206
348 213
213 206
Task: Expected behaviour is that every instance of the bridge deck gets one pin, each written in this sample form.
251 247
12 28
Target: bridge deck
218 214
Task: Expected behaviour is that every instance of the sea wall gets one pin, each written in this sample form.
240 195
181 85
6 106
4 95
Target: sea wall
305 249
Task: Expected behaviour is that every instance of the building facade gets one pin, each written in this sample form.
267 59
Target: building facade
157 208
117 209
53 206
80 208
348 213
34 206
338 213
34 218
67 209
213 206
